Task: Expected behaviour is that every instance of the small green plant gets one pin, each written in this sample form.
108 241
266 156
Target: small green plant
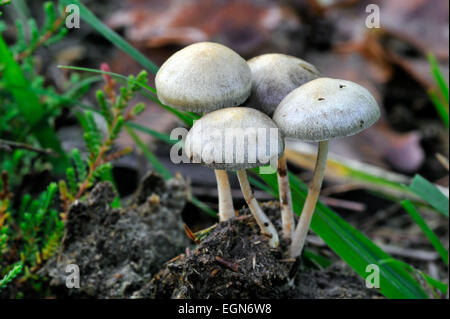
26 108
33 232
439 96
29 233
13 273
83 174
29 104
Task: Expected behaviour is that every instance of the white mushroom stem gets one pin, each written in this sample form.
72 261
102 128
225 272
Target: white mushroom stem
287 216
299 236
261 218
226 209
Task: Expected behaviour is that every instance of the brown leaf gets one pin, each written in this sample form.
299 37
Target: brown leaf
245 26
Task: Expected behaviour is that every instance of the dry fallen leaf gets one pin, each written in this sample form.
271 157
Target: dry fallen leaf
245 26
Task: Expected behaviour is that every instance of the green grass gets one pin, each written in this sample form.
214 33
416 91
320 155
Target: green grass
430 194
351 245
439 96
430 281
112 36
156 164
418 219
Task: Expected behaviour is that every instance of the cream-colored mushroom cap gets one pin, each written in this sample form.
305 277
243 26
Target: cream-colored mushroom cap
234 138
326 108
203 77
274 76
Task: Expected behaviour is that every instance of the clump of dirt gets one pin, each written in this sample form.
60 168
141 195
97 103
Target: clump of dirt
118 250
338 281
235 261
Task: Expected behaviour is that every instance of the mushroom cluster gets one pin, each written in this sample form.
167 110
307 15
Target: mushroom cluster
238 99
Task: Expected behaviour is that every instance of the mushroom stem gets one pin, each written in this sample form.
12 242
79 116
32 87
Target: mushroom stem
226 209
287 216
261 218
299 236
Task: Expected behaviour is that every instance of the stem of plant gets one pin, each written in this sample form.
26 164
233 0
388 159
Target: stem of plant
261 218
226 209
299 236
287 215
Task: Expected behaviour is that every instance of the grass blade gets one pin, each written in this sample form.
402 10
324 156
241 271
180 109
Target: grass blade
439 98
187 117
162 170
353 247
431 194
112 36
157 166
195 201
415 215
434 283
342 169
158 135
438 77
440 107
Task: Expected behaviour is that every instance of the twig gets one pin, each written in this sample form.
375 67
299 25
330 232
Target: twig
443 160
346 204
339 189
339 169
7 145
227 264
410 253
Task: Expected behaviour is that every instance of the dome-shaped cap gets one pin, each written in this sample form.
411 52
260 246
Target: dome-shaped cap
326 108
203 77
274 76
234 138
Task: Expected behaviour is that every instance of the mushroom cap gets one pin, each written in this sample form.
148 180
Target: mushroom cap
234 138
203 77
274 76
326 108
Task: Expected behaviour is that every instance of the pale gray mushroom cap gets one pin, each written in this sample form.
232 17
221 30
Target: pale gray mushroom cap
203 77
326 108
234 138
274 76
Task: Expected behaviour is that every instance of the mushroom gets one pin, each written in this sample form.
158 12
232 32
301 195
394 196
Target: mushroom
237 138
273 77
318 111
204 77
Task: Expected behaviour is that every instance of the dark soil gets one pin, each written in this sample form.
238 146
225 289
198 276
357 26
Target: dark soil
118 251
135 253
235 261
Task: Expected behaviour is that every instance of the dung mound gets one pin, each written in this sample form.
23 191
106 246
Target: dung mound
233 261
117 251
